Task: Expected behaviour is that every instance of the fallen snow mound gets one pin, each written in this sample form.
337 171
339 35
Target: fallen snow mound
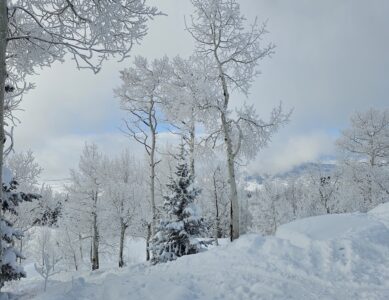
343 256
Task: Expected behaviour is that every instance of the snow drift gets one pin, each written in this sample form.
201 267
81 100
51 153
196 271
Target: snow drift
343 256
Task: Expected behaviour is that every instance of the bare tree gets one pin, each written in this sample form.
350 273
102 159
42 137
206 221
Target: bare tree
67 245
86 188
183 95
218 187
232 54
124 192
365 149
25 169
140 96
48 255
214 198
3 53
323 186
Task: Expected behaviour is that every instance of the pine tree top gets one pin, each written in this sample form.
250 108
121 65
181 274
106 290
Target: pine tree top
182 191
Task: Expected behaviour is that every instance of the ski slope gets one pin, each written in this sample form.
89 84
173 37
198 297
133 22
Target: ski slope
342 257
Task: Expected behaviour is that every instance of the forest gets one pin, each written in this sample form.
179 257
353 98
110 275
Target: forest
186 209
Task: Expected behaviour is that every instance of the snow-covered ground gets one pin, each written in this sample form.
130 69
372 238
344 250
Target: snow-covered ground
342 256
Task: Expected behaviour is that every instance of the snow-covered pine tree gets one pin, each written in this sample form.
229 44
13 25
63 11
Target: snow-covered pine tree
10 270
176 235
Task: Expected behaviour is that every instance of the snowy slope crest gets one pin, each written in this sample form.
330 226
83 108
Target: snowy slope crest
381 213
344 246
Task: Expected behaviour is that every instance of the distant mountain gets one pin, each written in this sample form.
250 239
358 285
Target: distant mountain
255 178
296 171
304 168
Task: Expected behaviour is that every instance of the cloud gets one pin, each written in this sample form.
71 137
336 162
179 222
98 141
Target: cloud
62 153
331 59
283 154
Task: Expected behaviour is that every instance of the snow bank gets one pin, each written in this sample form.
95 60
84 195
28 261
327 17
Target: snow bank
341 257
381 213
327 227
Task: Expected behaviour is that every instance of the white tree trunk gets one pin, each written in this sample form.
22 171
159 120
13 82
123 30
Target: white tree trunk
45 286
152 183
234 225
3 48
123 228
75 261
148 237
217 218
192 136
74 255
80 244
95 238
153 131
20 249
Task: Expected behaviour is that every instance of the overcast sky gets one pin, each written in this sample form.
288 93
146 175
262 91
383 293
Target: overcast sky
332 58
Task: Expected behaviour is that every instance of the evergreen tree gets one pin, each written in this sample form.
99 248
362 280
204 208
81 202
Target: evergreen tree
176 235
10 270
